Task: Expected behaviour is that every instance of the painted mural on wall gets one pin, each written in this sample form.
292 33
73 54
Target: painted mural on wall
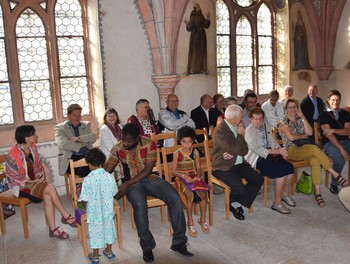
301 53
197 52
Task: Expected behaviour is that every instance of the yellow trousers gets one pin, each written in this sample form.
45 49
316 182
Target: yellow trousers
314 156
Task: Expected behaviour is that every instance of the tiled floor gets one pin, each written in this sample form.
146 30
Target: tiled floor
309 235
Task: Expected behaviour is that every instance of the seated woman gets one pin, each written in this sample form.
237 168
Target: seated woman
110 132
29 177
144 119
294 126
267 156
228 101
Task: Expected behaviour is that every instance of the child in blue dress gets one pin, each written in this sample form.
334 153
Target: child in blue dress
98 190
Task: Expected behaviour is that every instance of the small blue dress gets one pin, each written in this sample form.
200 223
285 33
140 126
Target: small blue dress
98 190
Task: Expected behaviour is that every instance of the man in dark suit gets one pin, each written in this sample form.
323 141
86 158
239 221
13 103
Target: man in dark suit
204 116
312 106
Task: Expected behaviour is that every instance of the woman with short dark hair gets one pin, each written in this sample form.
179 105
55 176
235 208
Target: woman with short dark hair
29 177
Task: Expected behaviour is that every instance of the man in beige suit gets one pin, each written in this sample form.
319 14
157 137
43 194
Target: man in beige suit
73 137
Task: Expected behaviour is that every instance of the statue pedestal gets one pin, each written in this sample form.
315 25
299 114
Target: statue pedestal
324 72
166 85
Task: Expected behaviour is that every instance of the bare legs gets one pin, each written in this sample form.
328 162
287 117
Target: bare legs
52 201
282 188
202 207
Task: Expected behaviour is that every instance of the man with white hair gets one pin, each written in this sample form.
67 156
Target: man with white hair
228 162
171 118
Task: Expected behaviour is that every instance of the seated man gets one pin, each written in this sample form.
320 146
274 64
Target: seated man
144 119
250 102
73 137
171 118
229 165
335 124
203 115
138 157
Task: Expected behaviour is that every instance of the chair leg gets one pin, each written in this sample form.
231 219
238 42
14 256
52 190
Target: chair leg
24 216
162 214
266 184
66 182
211 217
2 220
79 233
295 180
125 205
119 229
83 235
326 180
227 204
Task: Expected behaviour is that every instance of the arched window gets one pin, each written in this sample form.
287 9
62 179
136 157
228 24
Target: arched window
245 46
44 52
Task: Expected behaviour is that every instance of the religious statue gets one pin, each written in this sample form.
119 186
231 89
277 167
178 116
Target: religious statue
197 53
301 54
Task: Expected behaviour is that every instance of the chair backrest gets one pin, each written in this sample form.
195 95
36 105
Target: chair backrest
2 161
275 134
160 137
318 135
74 179
168 165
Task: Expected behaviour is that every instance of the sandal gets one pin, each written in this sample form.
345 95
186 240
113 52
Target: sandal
94 260
192 231
66 221
319 200
342 181
204 226
57 233
109 255
289 200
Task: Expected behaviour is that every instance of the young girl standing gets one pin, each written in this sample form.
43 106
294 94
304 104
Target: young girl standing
186 169
98 190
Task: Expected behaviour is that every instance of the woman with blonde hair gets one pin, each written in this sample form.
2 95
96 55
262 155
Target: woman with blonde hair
294 128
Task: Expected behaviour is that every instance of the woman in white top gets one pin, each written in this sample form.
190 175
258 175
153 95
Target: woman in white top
111 131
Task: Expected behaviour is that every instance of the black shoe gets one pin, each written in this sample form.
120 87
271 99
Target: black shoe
182 249
237 212
148 255
333 189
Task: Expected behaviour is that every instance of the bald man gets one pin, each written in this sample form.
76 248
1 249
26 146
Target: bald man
204 115
171 118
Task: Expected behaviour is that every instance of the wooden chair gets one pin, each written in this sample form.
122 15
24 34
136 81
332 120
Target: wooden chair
318 141
82 226
8 198
161 137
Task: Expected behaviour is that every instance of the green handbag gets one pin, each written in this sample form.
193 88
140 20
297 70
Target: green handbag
305 184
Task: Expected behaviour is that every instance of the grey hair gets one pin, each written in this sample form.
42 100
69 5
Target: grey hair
233 111
288 87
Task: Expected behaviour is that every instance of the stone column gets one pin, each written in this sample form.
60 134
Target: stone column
166 85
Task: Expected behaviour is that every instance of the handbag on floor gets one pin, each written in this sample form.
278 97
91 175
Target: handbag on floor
305 184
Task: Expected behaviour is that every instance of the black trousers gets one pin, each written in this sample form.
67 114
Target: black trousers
243 194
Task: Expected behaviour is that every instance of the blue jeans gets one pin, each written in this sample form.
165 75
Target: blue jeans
337 157
163 190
